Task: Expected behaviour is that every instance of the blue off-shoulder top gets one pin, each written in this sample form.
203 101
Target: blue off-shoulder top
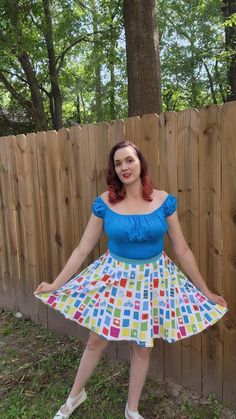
135 236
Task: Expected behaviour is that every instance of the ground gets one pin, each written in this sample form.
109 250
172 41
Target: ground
37 368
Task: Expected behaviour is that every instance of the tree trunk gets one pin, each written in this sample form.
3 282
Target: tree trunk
56 108
211 83
111 66
97 65
143 62
230 39
37 101
37 108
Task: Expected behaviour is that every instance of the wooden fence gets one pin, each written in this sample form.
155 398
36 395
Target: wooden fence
47 184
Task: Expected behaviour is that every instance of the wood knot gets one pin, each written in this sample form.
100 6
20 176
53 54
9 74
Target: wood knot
58 239
229 324
233 262
234 218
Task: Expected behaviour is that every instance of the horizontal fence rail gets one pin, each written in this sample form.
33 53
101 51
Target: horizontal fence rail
48 181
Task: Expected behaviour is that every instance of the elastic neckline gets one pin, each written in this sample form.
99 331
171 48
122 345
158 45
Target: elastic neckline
128 215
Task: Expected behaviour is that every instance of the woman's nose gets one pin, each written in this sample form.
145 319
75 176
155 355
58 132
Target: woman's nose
124 166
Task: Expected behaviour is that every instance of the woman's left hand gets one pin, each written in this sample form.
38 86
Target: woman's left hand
217 299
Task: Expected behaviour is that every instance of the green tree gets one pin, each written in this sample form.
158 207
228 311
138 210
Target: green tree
55 54
193 59
229 10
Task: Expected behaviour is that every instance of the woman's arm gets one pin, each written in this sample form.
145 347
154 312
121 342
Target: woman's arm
187 260
90 237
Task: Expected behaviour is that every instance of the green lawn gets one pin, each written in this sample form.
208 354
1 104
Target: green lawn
37 369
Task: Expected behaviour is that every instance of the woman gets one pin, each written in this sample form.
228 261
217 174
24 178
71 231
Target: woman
134 291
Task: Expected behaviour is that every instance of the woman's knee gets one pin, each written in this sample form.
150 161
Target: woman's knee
141 352
95 342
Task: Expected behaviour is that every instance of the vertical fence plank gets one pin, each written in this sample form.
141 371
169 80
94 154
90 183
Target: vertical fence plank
229 252
189 218
36 254
87 177
76 197
149 128
168 182
41 214
168 153
100 133
25 224
116 132
65 156
8 212
210 201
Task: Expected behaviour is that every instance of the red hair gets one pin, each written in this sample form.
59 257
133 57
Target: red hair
116 189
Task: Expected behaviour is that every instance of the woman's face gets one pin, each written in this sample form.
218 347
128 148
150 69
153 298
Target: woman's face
127 165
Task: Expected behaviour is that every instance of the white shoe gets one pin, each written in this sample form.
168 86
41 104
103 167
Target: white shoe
132 415
71 404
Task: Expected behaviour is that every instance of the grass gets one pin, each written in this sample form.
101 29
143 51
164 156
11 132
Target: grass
37 369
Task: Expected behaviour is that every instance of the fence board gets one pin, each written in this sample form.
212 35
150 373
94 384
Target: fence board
116 131
168 182
210 200
8 209
87 177
101 142
229 255
22 176
74 142
43 273
189 216
65 238
36 238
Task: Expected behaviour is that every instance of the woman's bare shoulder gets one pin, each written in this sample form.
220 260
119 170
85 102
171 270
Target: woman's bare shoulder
159 195
104 196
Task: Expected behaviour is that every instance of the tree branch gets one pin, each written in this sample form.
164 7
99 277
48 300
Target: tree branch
211 83
25 103
14 75
61 57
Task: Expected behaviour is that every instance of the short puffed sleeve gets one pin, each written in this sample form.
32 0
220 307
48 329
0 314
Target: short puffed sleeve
99 207
170 205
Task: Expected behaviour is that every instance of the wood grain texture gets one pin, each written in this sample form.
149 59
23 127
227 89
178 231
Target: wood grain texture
210 239
229 249
187 156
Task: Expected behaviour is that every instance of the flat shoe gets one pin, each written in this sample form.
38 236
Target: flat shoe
71 403
132 415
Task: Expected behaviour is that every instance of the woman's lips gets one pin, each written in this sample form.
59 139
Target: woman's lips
126 175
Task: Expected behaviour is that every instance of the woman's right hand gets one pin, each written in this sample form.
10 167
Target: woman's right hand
45 287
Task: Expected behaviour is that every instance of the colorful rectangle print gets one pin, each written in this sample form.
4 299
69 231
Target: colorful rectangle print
135 302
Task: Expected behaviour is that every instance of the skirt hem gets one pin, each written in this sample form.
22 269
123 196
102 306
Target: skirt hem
130 339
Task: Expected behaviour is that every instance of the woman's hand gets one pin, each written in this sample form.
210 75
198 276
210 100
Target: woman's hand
45 287
217 299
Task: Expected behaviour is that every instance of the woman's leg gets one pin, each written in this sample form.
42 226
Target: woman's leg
91 356
138 373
